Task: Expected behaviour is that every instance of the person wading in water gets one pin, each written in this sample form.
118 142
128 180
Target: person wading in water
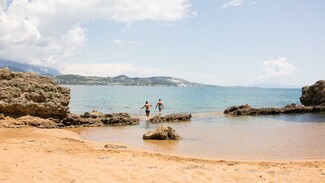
160 106
147 106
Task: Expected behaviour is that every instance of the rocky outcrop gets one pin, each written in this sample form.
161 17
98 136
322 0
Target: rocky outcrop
292 108
89 119
162 133
171 118
31 94
314 95
28 121
312 98
96 118
36 96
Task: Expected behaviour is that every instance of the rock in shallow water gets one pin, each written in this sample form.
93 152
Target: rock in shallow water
171 118
314 95
288 109
162 133
95 118
312 98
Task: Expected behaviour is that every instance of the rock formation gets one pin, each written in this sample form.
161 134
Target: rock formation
28 121
31 94
96 118
26 99
292 108
171 118
71 120
162 133
314 95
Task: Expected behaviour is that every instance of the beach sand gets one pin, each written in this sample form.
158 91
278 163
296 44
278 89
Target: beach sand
59 155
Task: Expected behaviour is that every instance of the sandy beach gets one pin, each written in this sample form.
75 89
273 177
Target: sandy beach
59 155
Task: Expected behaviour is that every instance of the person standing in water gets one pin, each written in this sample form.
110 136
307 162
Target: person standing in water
160 106
147 106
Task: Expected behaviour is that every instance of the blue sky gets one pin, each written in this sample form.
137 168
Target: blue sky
221 42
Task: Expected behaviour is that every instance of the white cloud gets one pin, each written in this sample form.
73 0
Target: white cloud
105 70
117 41
48 31
3 4
232 3
275 69
194 13
120 42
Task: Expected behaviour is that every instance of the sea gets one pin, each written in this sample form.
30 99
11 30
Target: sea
209 134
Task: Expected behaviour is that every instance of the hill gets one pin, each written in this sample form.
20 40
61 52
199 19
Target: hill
123 80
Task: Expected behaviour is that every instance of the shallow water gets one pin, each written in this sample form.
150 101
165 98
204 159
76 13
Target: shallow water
292 137
210 134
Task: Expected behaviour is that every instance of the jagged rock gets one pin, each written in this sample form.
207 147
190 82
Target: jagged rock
96 118
119 119
31 94
171 118
292 108
162 133
314 95
76 120
92 114
2 116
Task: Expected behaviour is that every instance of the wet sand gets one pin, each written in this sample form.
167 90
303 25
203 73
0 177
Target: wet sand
57 155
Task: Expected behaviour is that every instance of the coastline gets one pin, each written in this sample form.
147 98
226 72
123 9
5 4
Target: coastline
60 155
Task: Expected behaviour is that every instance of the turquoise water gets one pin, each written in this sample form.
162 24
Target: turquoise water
209 134
130 99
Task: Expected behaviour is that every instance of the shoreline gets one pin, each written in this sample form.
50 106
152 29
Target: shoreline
61 155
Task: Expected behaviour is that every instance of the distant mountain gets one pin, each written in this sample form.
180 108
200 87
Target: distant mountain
19 67
123 80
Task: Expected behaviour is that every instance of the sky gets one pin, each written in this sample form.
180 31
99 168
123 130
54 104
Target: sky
218 42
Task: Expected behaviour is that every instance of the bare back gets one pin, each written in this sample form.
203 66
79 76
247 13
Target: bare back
147 106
